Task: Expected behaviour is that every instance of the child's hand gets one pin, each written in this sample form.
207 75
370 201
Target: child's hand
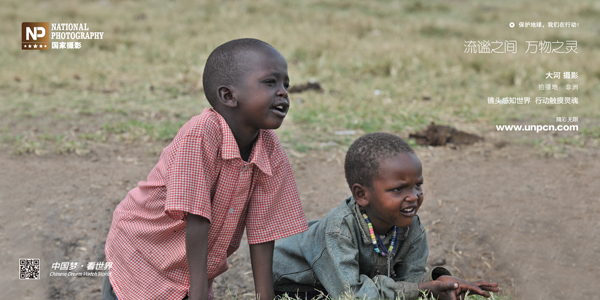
440 290
476 287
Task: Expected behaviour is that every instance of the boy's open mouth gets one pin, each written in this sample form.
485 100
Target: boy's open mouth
280 108
409 211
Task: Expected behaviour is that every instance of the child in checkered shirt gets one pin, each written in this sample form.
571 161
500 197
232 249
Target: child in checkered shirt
224 172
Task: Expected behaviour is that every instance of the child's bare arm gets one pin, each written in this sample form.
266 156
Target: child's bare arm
261 256
196 240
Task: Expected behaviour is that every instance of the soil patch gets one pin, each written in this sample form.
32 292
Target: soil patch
438 135
508 215
305 87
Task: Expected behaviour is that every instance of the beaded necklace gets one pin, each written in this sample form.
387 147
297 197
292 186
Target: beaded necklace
378 243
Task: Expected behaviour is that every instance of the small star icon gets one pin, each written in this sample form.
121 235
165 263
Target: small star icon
29 45
34 45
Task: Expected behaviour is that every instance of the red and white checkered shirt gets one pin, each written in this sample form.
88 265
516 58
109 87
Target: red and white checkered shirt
201 172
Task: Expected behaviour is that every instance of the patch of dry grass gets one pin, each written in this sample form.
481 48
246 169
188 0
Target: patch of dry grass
378 62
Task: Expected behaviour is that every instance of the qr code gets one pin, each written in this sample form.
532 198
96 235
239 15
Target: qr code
29 268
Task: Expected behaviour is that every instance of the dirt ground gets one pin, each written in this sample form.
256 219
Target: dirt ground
496 213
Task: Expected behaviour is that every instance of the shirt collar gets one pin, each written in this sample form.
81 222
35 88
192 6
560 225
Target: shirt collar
260 155
230 149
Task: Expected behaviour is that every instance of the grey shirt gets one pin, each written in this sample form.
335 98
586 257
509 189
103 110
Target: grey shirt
336 254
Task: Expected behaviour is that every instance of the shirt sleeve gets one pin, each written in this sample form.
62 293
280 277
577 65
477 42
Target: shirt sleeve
338 271
275 210
193 171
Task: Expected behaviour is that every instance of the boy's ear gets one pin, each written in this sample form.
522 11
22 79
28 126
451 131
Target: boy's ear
225 95
359 193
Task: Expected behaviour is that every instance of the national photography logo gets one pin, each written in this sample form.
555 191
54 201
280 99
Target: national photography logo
35 36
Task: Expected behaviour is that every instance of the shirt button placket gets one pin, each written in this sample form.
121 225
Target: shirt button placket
242 189
243 183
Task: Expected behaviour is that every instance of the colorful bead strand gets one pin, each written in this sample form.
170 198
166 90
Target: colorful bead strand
375 238
372 233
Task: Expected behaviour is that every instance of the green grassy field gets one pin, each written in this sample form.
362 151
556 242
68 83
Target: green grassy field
377 61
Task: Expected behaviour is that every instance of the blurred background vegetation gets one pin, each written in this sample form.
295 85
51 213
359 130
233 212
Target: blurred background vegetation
392 66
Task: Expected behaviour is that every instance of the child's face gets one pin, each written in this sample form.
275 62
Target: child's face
396 193
262 94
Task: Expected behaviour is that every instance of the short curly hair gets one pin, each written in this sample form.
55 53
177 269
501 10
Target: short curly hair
225 65
365 154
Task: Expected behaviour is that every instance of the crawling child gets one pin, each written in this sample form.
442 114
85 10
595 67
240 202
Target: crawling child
224 172
373 245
